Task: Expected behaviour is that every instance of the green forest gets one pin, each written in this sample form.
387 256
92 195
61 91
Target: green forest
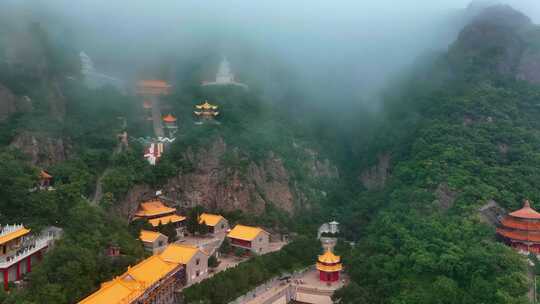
457 131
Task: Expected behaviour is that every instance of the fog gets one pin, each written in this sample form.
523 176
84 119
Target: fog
335 49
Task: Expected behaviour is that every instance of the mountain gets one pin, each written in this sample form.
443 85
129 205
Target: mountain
472 137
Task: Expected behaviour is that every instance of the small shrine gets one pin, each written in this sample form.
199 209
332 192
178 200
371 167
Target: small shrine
45 180
329 265
206 112
171 127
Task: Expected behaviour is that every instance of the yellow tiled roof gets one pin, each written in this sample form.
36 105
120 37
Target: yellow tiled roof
180 254
210 219
153 208
132 283
246 233
328 268
14 235
166 219
149 236
329 258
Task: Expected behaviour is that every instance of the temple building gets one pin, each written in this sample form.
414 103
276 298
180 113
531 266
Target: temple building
170 126
329 266
152 88
156 213
224 76
521 229
254 239
194 260
155 280
216 224
19 251
206 112
45 181
153 241
153 153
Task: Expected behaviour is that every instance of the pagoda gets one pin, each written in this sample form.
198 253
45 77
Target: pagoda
206 112
170 125
224 76
521 229
329 266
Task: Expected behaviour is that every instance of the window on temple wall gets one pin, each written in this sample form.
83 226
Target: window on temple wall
197 273
197 261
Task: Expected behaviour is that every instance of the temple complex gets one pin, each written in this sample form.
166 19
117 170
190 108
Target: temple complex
224 76
156 213
254 239
521 229
19 251
329 266
206 112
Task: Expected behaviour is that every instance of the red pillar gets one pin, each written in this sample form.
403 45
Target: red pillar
29 264
18 277
6 272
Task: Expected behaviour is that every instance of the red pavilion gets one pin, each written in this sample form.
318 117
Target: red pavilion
521 229
329 266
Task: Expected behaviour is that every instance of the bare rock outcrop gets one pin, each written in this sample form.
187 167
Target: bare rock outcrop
216 185
42 150
375 177
529 66
445 196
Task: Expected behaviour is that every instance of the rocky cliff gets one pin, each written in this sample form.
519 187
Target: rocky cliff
41 149
222 178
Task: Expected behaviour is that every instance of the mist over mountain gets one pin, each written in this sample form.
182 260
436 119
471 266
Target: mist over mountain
402 120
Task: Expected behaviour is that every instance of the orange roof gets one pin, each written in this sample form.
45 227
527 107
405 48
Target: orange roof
526 212
153 84
518 235
246 233
206 106
210 219
180 254
169 118
132 284
45 175
329 258
153 208
329 268
174 218
14 235
149 236
516 223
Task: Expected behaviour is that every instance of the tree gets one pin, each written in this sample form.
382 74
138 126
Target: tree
203 229
213 262
169 230
225 247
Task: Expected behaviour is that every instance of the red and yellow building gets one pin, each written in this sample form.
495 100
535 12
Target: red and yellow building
254 239
19 251
329 266
521 229
153 88
156 213
154 280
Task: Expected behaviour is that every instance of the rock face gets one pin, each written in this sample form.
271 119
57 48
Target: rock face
375 177
42 150
445 196
222 179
